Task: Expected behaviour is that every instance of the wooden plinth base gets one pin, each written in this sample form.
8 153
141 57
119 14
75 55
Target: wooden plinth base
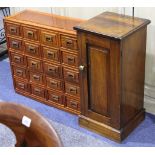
109 132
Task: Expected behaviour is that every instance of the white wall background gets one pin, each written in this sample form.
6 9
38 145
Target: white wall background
148 13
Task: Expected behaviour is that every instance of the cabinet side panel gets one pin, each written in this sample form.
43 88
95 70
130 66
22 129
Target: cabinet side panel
98 61
133 74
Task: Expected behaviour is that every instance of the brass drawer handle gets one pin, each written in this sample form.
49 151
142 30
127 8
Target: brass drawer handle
55 98
69 43
70 59
70 75
72 90
21 85
48 38
34 64
36 90
15 44
54 84
17 59
36 77
31 49
50 55
30 34
19 72
73 104
52 69
13 29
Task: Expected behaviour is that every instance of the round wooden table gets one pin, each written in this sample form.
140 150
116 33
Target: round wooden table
37 132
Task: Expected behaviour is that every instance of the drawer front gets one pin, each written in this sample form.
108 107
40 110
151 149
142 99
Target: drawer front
38 91
71 76
21 85
51 54
72 89
13 29
54 84
70 59
69 42
31 33
32 49
49 38
73 103
34 64
18 59
52 70
55 97
19 72
36 78
15 44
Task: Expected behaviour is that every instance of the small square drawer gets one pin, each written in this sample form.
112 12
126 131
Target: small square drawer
72 89
51 54
32 49
70 59
15 44
55 97
73 103
49 38
13 29
52 70
36 78
18 59
69 42
31 33
21 85
38 91
70 75
19 72
34 64
54 83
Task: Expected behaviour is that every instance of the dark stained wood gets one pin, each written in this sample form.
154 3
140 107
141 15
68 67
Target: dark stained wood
133 74
98 61
108 131
40 133
112 25
112 50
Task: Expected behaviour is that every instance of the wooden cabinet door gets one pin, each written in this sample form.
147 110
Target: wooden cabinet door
100 89
98 81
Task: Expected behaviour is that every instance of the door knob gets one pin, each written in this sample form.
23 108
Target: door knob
81 68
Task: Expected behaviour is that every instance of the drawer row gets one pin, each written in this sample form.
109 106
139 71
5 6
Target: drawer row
51 96
50 69
48 38
49 54
44 80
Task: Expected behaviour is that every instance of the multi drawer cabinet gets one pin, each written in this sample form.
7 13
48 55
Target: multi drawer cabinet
96 70
44 56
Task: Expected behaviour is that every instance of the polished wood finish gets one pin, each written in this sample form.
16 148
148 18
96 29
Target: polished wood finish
112 51
43 53
39 134
113 25
109 49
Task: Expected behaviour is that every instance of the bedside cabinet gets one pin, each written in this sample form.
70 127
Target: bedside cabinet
112 68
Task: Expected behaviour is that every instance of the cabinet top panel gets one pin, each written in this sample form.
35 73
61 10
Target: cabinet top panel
112 25
44 19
